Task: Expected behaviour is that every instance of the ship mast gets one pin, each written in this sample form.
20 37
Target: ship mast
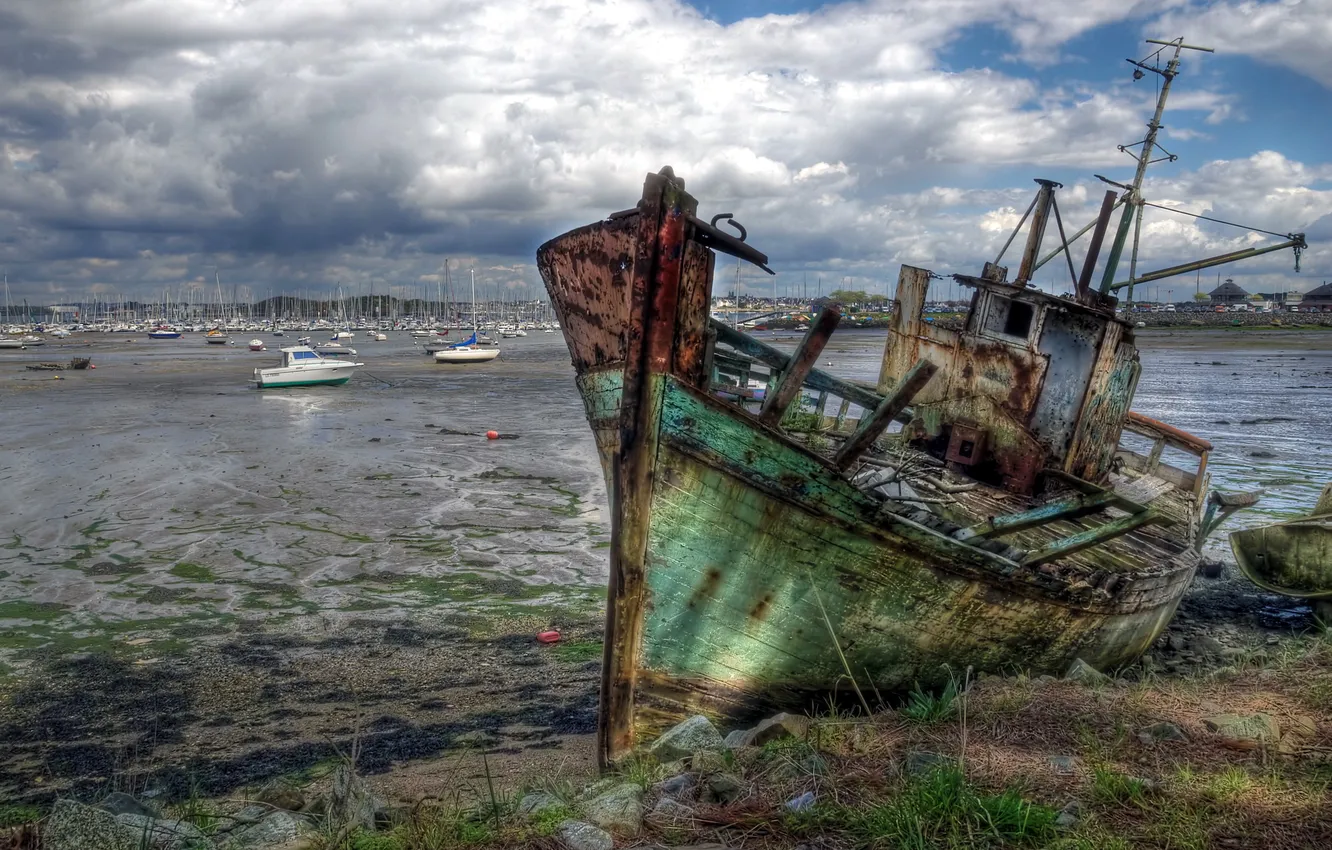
1134 203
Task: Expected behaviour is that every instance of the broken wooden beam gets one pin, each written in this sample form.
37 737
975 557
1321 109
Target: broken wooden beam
1091 537
801 363
1074 508
872 426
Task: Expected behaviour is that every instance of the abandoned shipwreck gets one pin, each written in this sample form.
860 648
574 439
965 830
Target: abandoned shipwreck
774 537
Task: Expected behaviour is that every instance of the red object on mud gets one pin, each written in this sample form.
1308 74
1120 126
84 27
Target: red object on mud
551 636
492 435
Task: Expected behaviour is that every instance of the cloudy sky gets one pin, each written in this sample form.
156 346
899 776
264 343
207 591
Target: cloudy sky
300 145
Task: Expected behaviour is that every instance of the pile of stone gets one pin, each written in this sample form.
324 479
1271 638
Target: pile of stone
278 819
698 768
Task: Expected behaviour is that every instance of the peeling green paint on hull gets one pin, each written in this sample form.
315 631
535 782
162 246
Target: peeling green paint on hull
752 538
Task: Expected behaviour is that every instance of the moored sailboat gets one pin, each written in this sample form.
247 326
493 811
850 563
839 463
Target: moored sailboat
468 350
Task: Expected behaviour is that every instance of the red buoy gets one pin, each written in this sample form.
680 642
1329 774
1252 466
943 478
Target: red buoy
551 636
492 435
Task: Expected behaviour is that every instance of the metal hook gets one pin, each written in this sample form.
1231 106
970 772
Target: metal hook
730 219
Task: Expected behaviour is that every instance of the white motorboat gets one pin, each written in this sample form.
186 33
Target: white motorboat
378 337
30 340
302 366
256 345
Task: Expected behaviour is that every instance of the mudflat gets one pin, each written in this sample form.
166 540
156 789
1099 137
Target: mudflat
205 586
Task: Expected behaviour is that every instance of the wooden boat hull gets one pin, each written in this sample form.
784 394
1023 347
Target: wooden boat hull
763 562
1291 558
744 566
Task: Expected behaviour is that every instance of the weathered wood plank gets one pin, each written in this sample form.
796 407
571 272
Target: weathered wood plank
1090 537
875 424
1043 515
799 366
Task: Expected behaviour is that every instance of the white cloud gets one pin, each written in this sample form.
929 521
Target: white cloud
298 142
1291 33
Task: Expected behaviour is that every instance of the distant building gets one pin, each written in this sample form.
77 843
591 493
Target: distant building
1319 299
1228 293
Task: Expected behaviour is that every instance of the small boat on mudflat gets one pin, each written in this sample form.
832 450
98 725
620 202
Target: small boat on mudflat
164 333
302 366
216 337
1293 558
256 345
466 351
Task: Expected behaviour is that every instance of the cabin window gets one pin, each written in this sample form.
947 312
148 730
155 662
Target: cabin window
1019 319
1010 318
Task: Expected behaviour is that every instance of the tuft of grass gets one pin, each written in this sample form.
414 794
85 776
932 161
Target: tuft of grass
199 812
642 770
940 809
1231 783
547 822
923 707
1111 786
17 814
376 841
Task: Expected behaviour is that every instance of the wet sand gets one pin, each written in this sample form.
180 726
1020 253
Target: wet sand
206 585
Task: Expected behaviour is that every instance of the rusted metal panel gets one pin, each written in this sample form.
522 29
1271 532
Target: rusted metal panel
800 365
1070 341
966 445
587 272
